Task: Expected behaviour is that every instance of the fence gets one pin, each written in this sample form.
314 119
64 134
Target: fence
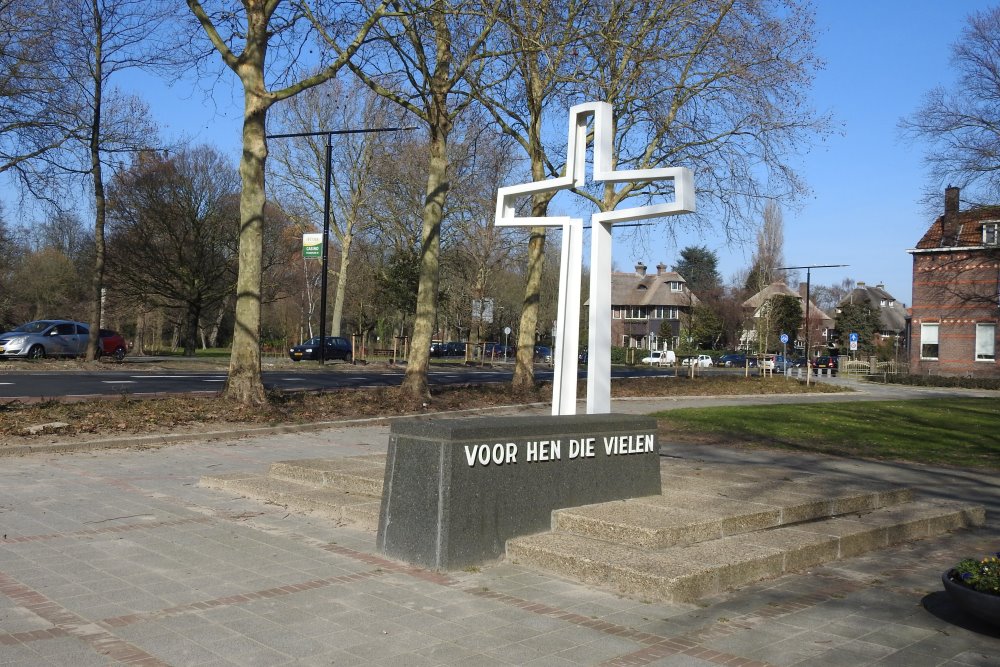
865 367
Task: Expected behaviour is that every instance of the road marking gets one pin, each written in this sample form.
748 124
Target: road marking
219 380
118 381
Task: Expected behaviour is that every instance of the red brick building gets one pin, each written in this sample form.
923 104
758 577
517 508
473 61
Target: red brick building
956 293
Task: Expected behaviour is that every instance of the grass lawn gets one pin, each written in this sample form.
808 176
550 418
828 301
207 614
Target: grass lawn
961 432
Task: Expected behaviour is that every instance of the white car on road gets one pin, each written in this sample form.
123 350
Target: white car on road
700 361
661 357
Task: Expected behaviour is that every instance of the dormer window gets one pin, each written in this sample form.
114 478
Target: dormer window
990 233
641 288
676 286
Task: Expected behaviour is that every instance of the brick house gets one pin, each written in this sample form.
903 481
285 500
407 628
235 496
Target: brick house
820 323
891 313
642 303
956 285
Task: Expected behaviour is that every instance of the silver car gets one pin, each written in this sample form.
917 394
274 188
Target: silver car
45 338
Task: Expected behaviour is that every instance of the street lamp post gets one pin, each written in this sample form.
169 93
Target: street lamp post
326 215
808 276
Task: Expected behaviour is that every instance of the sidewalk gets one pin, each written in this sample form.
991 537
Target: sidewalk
116 557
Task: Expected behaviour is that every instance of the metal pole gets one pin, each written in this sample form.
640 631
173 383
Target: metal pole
326 254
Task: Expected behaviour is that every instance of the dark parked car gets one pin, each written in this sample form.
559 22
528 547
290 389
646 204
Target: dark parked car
112 345
336 348
735 359
543 354
454 348
830 363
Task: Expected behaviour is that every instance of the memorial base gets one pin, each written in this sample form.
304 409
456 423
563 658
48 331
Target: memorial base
457 489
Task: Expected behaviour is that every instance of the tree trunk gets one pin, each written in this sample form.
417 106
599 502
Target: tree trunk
415 385
341 292
97 284
190 336
244 383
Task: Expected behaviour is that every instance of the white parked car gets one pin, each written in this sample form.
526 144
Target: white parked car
700 361
661 357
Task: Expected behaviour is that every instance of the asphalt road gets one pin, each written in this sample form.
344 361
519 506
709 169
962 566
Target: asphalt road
134 381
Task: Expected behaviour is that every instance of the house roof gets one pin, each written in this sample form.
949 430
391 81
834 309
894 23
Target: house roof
639 289
968 224
779 288
892 315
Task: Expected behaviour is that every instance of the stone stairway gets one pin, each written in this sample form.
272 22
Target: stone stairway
347 490
712 528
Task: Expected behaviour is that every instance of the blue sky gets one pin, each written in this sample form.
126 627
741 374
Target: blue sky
866 183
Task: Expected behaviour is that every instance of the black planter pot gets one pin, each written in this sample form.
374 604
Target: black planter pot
984 606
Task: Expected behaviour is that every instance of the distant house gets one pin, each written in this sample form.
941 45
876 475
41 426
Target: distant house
642 304
956 287
820 323
891 313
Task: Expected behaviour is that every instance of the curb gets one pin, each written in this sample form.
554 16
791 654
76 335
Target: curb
166 439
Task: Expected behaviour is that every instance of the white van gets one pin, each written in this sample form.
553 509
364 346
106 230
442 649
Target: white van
660 357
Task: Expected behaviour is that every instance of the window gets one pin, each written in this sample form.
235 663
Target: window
990 236
986 336
616 313
664 313
634 312
928 341
676 286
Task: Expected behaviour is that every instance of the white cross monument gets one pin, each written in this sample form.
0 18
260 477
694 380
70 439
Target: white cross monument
564 380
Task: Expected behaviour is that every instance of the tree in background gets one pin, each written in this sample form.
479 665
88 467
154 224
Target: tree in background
961 126
781 314
828 297
243 37
174 223
862 319
770 252
428 51
699 266
299 167
542 42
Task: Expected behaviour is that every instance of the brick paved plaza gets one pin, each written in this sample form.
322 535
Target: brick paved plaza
119 557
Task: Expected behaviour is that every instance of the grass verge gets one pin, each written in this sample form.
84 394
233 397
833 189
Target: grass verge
960 432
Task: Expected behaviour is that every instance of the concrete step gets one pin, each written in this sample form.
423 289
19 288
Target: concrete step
356 474
683 573
345 508
686 517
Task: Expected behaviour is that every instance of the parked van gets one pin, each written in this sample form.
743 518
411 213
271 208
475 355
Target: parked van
661 358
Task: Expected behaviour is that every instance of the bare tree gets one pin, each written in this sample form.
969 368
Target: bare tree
33 114
770 252
244 35
544 38
301 172
173 227
718 86
961 125
428 54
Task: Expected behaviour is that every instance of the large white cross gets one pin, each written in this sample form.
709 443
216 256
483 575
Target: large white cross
568 333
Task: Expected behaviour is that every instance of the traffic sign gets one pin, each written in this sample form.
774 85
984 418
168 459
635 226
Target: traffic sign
854 337
783 338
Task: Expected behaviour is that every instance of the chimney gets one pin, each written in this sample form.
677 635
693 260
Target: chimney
660 268
880 286
861 284
640 269
949 221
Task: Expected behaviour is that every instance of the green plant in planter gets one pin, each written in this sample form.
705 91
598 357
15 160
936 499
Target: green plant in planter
981 575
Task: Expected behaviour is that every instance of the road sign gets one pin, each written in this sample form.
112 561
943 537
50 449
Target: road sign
783 338
854 337
312 246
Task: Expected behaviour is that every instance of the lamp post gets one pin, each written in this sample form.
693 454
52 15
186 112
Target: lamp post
808 276
326 215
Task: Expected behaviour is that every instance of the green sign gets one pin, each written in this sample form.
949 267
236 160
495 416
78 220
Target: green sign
312 246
